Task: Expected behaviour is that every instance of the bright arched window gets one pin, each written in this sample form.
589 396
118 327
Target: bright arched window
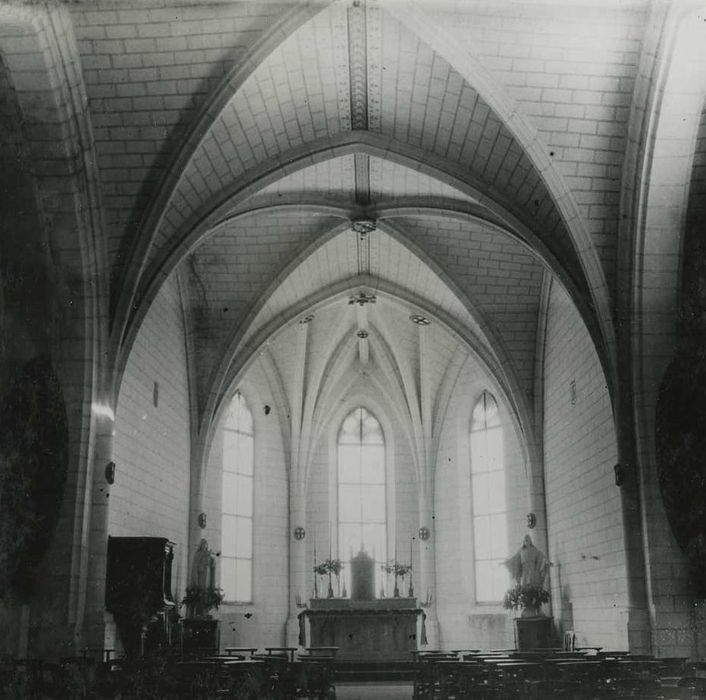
237 509
489 500
362 514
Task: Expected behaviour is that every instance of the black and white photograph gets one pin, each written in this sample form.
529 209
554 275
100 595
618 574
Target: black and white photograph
352 349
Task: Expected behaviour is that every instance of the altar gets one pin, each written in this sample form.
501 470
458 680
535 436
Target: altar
363 627
384 629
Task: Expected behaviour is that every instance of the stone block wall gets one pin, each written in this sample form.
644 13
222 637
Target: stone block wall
584 515
150 496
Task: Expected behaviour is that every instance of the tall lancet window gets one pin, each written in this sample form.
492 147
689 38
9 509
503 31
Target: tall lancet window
362 515
237 510
489 500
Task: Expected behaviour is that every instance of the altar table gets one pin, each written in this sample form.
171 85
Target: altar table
385 629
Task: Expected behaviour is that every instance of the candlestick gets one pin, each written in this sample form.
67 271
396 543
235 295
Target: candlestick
316 578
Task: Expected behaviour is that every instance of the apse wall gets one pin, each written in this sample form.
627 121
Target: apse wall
463 623
150 496
584 514
401 492
260 623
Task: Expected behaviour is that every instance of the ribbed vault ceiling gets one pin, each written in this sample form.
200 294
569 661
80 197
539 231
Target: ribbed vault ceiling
388 181
261 273
355 69
243 146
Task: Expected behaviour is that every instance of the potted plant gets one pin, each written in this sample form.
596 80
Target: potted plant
527 598
200 600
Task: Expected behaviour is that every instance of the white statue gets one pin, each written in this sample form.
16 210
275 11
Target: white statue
528 566
203 568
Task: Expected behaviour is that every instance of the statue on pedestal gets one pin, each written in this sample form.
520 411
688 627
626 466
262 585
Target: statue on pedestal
202 594
528 567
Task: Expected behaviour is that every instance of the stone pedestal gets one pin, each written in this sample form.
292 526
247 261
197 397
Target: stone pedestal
533 633
200 637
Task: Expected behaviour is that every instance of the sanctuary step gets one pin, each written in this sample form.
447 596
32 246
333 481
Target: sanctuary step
390 690
362 671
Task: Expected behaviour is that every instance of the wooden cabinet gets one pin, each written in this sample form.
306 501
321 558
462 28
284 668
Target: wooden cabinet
138 592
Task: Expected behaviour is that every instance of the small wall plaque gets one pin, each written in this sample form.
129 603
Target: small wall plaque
299 533
424 533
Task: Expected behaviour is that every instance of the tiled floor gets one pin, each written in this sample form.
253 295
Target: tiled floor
367 691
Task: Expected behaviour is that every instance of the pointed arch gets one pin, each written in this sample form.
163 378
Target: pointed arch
129 280
654 202
480 78
237 512
215 213
55 128
361 486
489 502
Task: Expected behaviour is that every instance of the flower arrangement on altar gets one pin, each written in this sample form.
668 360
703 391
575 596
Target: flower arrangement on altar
329 566
398 571
395 568
525 597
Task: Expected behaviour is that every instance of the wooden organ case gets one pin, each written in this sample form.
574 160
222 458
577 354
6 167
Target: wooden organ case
138 593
